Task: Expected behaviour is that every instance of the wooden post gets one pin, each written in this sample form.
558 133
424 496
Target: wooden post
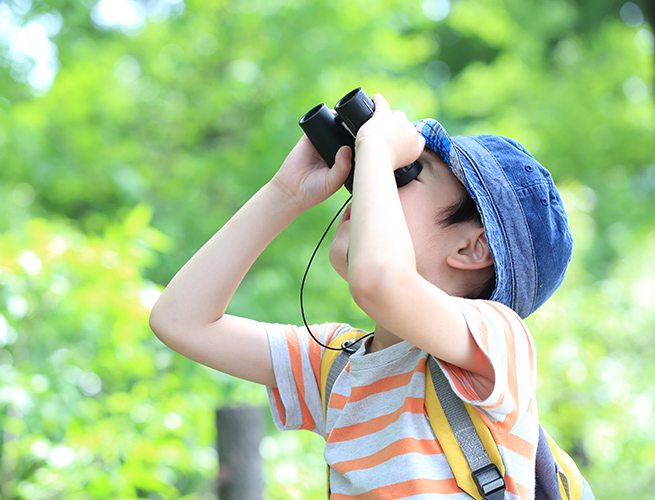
8 453
240 469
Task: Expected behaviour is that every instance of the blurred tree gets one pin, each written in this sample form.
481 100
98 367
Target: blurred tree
111 107
93 400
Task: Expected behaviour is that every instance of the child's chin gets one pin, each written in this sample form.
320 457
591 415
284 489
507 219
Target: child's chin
344 275
339 262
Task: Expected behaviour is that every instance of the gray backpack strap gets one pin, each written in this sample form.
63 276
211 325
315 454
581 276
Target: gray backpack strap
487 476
337 367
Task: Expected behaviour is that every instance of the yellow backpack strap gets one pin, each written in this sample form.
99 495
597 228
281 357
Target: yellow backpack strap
332 363
328 359
474 457
568 475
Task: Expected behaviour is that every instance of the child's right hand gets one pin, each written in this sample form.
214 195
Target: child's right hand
306 179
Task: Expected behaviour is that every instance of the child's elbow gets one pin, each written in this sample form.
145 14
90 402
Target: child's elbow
161 324
155 323
372 287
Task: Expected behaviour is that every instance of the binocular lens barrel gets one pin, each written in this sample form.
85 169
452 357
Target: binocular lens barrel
326 132
355 109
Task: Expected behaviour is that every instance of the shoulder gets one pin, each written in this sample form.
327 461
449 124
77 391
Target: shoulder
325 330
293 340
501 334
505 340
484 315
487 307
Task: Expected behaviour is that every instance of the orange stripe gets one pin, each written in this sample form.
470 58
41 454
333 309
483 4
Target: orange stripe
295 357
315 359
532 363
523 492
511 486
483 331
348 432
518 445
386 384
532 410
405 489
397 448
501 400
278 404
459 376
512 383
337 401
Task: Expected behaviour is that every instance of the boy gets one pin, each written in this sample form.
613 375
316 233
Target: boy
410 256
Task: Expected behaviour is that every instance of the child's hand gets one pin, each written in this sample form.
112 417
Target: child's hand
392 131
306 179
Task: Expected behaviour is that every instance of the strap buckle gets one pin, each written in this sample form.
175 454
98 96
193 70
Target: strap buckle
490 482
348 346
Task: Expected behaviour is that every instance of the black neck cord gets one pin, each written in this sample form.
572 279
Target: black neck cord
302 286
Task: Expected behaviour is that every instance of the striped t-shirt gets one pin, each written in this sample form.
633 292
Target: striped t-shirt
379 443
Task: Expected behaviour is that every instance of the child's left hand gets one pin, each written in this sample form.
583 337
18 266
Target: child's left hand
393 132
305 177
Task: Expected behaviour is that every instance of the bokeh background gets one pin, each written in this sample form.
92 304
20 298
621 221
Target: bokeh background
130 130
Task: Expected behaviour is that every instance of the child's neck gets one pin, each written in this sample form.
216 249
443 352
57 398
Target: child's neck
382 339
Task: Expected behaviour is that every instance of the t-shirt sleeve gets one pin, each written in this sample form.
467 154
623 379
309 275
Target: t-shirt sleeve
296 401
505 340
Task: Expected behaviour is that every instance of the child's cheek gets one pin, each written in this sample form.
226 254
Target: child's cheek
339 253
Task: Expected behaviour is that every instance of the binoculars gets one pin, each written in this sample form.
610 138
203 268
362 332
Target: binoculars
329 132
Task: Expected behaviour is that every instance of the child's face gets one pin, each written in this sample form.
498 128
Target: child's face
423 200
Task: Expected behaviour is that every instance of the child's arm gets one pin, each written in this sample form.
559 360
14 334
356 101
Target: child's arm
190 315
382 273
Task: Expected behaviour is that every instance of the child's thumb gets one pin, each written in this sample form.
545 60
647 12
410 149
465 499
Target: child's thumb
381 103
342 164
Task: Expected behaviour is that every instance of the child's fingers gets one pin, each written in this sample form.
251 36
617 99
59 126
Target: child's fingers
342 165
381 103
421 142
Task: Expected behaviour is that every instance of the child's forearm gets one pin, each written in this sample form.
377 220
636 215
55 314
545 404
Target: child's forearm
380 239
200 292
382 273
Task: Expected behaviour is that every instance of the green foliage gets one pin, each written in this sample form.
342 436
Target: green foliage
167 126
90 395
594 341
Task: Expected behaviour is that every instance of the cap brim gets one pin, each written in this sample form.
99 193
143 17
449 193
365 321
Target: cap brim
438 140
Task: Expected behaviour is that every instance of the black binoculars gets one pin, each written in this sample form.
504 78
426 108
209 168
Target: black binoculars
329 132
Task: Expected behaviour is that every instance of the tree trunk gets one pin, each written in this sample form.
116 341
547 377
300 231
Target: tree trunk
240 468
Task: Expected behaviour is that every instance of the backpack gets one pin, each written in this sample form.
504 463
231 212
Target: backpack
466 441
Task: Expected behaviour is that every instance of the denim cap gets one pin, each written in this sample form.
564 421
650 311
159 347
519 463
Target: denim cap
523 216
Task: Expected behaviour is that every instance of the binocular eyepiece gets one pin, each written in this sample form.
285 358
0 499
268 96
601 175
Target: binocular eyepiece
329 132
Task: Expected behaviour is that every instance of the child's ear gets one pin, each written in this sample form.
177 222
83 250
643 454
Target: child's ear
472 252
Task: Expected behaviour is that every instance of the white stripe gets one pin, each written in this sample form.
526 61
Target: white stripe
396 470
284 378
414 426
